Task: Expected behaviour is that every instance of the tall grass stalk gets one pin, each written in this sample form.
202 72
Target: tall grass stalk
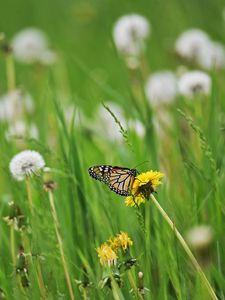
12 245
29 195
10 72
40 281
186 248
134 287
60 243
38 267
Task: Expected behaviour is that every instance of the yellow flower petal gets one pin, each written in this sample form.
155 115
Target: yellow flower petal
123 240
107 255
134 201
144 184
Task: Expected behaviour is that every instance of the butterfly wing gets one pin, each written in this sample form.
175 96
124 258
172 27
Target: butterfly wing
121 180
100 173
118 179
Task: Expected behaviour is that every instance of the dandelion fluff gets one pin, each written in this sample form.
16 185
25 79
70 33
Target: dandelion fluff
31 45
161 88
129 34
212 56
191 42
193 83
25 164
14 104
200 236
21 130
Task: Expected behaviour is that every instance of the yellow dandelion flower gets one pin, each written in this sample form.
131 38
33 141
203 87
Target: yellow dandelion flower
113 243
106 255
123 240
144 184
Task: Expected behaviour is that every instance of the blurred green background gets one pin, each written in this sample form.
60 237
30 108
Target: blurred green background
81 33
88 72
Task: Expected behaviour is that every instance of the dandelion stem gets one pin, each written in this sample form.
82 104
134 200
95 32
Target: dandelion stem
29 195
186 248
134 287
12 244
60 243
10 73
38 267
40 281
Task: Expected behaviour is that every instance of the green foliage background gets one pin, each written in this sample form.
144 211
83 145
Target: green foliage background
88 72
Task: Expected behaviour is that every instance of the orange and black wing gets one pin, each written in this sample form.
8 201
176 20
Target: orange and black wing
121 180
118 179
101 173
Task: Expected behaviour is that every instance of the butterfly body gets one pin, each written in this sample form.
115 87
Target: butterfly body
118 179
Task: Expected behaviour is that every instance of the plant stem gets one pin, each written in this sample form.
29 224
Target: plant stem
186 248
56 224
40 281
37 268
12 244
10 73
29 195
134 287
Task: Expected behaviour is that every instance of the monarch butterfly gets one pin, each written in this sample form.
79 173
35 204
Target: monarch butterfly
118 179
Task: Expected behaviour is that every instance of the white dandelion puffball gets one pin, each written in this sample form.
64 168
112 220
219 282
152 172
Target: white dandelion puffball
14 104
130 33
193 83
25 164
21 130
191 42
31 45
161 88
211 56
200 237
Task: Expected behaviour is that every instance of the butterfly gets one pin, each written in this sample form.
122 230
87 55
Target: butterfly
118 179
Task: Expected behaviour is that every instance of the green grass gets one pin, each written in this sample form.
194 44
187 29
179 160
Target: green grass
191 154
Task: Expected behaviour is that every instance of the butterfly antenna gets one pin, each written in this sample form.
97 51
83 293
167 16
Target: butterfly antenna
146 161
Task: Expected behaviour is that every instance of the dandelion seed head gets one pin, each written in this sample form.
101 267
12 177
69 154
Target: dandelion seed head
129 34
31 45
14 104
25 164
194 83
191 42
161 88
21 130
200 237
212 56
